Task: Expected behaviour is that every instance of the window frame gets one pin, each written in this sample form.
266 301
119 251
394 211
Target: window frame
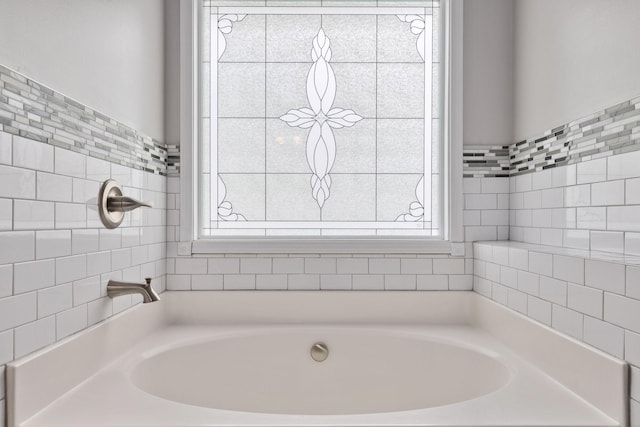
450 243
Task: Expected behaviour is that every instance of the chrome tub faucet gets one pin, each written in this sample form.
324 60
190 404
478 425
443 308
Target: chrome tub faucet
116 289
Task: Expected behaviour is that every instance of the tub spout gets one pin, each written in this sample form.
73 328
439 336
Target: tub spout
115 289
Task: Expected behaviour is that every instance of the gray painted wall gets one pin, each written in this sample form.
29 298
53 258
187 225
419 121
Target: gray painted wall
488 72
172 71
108 54
573 58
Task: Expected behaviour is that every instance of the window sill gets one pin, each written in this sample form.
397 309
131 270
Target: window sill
309 245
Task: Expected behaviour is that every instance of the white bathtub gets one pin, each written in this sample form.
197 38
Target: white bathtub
203 362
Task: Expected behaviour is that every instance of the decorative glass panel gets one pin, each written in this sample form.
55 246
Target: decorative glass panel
320 118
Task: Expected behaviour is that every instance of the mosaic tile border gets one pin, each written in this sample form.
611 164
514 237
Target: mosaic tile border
614 130
173 160
479 161
484 162
36 112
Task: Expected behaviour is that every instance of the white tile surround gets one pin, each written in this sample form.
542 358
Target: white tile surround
593 297
593 205
56 256
577 269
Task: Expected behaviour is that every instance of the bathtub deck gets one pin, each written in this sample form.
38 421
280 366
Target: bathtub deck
108 398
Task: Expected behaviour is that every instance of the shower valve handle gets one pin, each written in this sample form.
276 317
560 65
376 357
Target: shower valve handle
124 204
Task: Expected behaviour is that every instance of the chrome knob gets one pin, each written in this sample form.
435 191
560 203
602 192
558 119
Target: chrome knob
319 352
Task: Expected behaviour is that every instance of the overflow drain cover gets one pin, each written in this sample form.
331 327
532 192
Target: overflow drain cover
319 352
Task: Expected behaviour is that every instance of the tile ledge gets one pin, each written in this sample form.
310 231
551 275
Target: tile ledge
556 250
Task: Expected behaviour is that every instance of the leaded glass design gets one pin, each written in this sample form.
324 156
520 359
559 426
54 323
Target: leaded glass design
320 118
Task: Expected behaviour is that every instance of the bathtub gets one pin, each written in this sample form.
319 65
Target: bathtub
394 359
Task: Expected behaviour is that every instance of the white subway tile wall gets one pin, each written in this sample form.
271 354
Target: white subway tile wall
35 335
486 216
56 257
632 348
486 208
587 216
593 297
588 208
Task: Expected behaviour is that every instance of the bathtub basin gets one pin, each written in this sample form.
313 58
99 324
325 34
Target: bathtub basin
243 359
367 371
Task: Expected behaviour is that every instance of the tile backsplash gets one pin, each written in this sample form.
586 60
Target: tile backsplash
482 161
614 130
590 297
574 225
578 185
56 257
589 205
574 186
36 112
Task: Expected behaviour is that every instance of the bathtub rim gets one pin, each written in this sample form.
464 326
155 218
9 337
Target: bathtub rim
103 343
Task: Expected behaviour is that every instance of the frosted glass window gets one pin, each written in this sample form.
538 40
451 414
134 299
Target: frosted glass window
320 118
